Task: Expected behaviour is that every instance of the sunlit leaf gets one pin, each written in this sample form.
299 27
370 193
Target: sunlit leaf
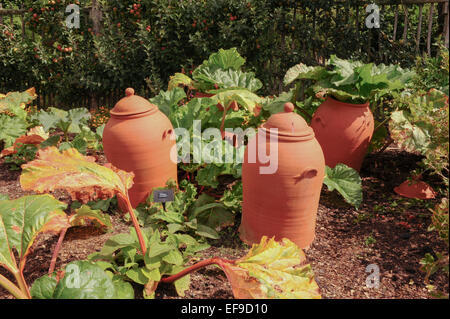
272 269
84 179
21 220
346 181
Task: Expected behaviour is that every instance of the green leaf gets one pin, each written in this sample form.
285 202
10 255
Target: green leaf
137 275
223 59
15 102
243 97
22 219
51 141
167 101
173 257
179 79
124 290
276 105
43 287
205 231
302 71
229 79
86 214
11 128
85 280
115 243
346 181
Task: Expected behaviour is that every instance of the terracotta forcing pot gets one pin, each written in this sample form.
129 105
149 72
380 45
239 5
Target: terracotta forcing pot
283 204
344 131
137 138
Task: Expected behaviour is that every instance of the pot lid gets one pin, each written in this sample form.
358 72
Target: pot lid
132 105
289 124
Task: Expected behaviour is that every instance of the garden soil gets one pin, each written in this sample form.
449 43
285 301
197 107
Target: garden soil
388 233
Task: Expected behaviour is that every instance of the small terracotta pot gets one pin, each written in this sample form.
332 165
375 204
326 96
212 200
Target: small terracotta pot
415 189
344 131
283 204
137 138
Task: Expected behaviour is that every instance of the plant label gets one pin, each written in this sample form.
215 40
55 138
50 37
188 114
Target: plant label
163 195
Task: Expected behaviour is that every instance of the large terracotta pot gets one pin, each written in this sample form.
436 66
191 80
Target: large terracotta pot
137 138
283 204
344 131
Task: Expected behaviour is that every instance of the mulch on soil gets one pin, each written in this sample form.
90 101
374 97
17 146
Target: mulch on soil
347 240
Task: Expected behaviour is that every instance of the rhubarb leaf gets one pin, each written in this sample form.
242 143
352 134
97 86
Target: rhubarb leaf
86 214
11 128
43 288
84 280
179 79
21 220
346 181
272 269
84 179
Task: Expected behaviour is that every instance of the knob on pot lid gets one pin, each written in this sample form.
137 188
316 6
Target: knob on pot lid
289 124
132 105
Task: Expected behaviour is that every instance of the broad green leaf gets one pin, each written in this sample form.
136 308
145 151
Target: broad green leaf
78 118
179 79
84 280
243 97
346 181
43 287
167 101
272 269
276 105
229 79
11 128
223 59
84 179
86 214
22 219
124 290
302 71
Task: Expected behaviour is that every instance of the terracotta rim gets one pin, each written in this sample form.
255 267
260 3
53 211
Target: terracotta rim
133 115
348 104
309 135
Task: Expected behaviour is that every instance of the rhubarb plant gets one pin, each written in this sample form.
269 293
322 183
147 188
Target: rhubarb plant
21 220
13 116
67 121
349 81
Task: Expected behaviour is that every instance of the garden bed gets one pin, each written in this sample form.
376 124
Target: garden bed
388 231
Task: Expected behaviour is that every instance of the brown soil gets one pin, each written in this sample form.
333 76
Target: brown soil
347 240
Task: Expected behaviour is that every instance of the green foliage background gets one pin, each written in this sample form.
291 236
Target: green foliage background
272 35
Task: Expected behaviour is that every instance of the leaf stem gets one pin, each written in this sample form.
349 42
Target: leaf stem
56 251
135 223
22 284
12 288
213 261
